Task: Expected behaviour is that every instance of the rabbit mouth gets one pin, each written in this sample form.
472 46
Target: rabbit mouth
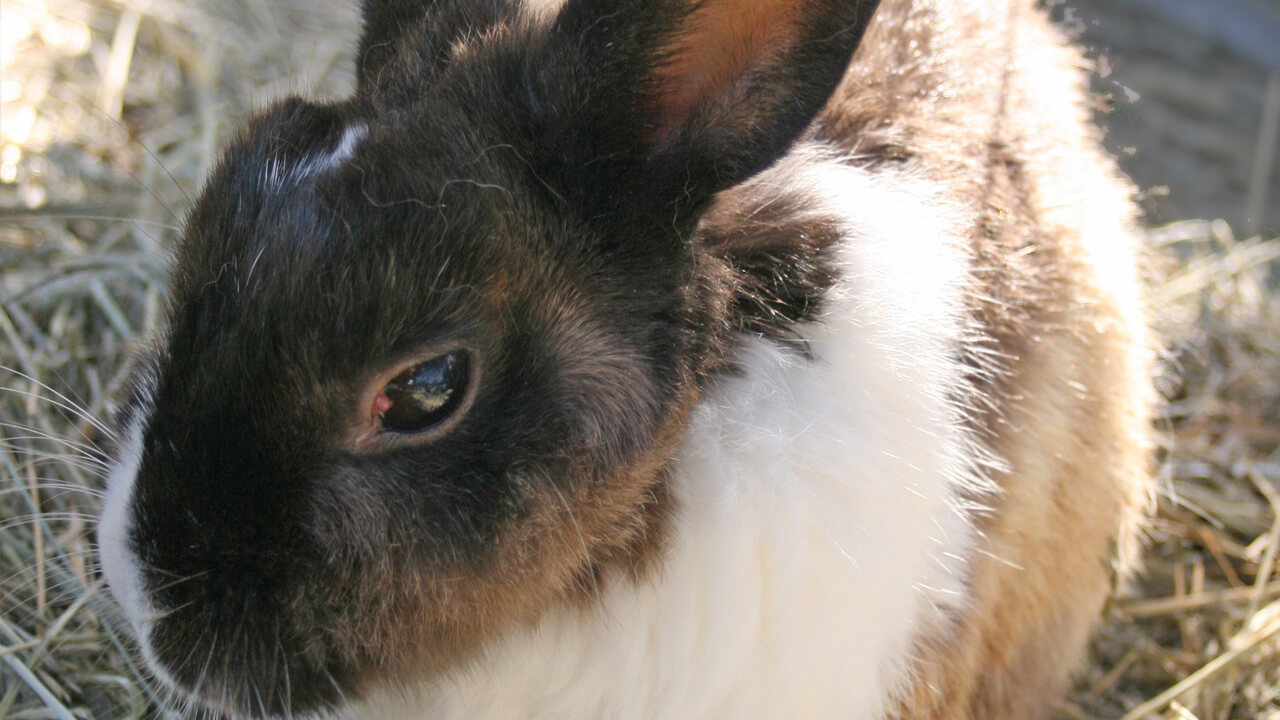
269 652
199 634
232 632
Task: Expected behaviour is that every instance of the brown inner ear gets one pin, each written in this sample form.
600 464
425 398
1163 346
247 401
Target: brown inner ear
725 41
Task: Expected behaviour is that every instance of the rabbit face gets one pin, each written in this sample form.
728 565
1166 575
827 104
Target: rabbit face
288 483
429 350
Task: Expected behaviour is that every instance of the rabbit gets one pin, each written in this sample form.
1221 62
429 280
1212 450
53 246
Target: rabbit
646 359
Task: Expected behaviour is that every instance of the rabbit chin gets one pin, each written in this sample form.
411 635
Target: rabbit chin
823 524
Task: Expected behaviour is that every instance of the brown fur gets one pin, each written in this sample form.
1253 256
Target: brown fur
606 347
1059 352
572 536
988 101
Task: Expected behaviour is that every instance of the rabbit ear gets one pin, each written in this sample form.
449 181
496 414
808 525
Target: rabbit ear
700 94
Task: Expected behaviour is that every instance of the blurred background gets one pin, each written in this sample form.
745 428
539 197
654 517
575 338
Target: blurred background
112 112
1195 87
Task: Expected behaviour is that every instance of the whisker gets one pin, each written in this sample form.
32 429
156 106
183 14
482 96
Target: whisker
40 457
22 596
204 672
61 489
158 615
80 554
87 478
586 552
65 617
26 459
257 692
59 211
151 154
44 520
54 515
167 573
87 448
39 519
288 684
145 187
48 515
179 581
62 402
337 688
76 403
24 602
126 648
82 470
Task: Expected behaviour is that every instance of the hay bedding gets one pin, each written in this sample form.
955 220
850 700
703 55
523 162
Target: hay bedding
113 112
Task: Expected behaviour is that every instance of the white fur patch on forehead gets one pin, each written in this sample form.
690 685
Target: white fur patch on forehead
351 137
276 175
342 152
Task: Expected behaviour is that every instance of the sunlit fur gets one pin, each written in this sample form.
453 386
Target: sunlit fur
820 526
898 481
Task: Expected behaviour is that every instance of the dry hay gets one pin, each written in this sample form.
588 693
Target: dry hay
113 112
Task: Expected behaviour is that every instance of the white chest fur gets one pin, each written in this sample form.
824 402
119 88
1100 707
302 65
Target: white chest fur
819 528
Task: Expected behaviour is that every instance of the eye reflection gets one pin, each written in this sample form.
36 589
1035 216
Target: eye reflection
424 395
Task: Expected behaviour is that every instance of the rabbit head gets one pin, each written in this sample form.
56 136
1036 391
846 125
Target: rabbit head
428 349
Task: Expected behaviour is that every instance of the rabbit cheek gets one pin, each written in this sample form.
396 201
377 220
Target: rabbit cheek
432 575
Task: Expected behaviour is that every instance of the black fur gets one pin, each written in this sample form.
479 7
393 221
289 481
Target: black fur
511 199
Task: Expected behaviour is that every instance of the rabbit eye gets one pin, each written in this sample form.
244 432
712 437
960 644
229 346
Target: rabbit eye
424 395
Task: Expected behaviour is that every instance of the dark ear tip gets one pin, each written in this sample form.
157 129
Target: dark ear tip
693 106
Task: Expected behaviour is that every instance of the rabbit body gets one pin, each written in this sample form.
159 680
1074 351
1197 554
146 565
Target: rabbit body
894 463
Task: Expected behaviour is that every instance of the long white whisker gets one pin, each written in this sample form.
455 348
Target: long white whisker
85 216
338 688
59 488
37 458
151 154
288 683
87 448
62 402
43 517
